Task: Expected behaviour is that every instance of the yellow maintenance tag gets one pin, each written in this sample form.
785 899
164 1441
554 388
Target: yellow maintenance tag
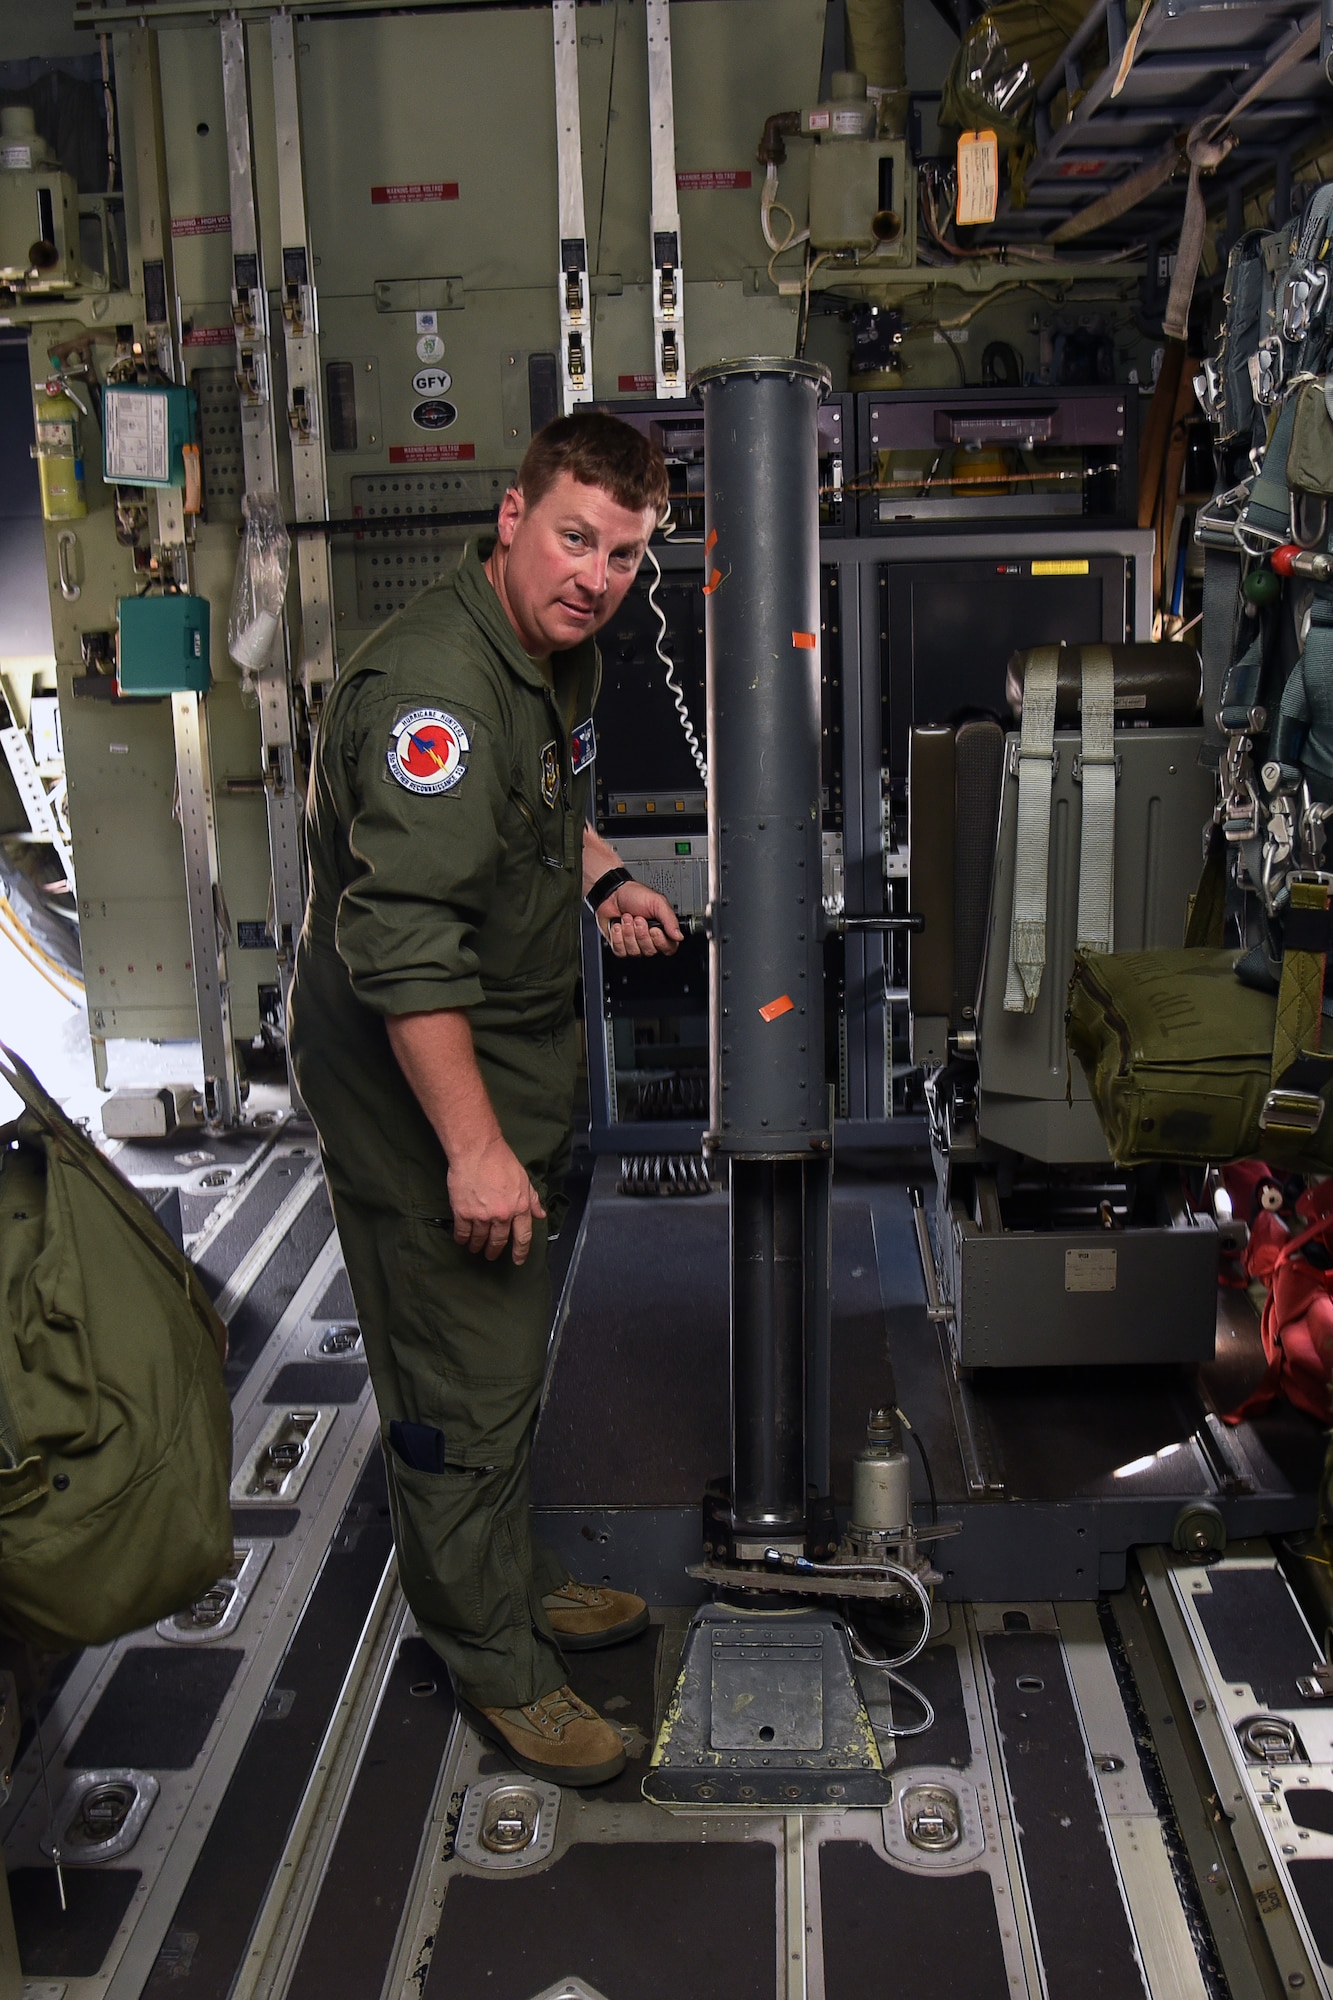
1062 566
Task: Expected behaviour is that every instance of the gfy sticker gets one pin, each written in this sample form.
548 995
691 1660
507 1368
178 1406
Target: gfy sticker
550 773
582 747
427 749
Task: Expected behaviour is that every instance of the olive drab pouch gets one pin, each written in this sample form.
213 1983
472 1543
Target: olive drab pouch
1310 452
1181 1064
115 1428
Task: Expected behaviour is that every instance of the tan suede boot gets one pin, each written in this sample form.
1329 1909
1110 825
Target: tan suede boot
585 1616
557 1737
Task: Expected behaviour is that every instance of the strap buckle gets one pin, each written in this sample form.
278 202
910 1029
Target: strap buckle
1269 365
1303 299
1217 522
1082 762
1210 389
1299 1112
1017 759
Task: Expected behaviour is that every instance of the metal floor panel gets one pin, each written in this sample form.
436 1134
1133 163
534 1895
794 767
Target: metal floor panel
1063 1884
354 1926
233 1230
1267 1748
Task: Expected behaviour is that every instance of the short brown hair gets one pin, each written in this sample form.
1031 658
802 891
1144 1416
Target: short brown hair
599 450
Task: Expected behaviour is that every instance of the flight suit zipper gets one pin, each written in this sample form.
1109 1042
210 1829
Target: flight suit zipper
526 811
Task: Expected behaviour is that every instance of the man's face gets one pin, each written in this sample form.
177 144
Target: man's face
568 561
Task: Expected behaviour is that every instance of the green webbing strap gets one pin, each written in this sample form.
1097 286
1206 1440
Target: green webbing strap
1297 1063
1096 857
1268 509
1036 769
1221 602
1205 927
1301 735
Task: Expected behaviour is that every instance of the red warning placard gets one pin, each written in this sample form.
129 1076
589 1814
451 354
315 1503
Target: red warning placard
804 639
201 225
415 191
636 385
209 336
775 1009
429 454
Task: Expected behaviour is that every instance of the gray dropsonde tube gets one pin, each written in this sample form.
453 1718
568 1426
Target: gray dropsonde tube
769 1095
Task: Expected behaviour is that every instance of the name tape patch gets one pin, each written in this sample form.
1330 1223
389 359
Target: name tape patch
427 749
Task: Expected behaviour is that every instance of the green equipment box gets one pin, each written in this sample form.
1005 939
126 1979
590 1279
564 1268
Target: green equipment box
162 645
145 429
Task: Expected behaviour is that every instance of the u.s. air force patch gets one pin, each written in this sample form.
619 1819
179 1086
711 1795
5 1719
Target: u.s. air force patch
427 749
550 773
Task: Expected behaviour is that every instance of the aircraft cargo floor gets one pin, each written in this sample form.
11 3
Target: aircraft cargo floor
1133 1795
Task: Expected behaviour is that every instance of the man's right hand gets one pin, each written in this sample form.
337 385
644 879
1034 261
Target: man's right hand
493 1201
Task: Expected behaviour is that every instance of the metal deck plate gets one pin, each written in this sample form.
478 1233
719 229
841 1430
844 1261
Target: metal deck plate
766 1715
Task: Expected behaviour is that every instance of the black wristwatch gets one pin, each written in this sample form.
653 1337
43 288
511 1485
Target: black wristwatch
606 885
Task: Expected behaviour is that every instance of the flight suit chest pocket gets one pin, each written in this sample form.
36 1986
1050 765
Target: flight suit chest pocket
546 825
541 796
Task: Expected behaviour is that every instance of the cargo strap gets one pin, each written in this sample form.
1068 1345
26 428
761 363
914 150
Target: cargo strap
1095 767
1096 859
1205 154
1221 595
1036 770
1293 1104
1206 146
1301 732
1205 925
1268 510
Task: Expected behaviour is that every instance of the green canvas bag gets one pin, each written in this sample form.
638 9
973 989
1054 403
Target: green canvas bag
1185 1063
115 1427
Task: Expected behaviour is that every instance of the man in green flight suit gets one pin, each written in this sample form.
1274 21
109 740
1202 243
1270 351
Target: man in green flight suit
434 1041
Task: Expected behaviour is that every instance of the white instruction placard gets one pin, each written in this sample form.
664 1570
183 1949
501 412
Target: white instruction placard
978 177
136 438
1090 1270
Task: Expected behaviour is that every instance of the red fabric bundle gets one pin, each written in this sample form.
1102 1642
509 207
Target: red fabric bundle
1298 1322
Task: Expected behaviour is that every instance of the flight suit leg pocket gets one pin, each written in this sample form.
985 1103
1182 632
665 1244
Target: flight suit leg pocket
452 1570
465 1564
472 1332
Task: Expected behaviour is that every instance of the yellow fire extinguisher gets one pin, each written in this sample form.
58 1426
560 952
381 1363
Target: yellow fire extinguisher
59 459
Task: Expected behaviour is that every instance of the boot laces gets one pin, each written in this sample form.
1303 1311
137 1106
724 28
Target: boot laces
554 1710
581 1593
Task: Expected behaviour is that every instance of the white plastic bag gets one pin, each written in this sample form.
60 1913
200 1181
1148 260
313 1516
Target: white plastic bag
261 581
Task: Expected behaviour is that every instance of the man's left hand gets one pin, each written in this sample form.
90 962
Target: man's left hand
638 923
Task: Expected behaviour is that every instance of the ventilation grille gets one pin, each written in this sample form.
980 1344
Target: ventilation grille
392 568
220 442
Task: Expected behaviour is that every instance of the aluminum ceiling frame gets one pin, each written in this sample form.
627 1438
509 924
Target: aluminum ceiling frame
1195 59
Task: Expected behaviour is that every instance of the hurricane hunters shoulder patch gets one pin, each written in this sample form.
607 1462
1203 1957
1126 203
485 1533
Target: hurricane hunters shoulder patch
550 773
427 750
582 747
